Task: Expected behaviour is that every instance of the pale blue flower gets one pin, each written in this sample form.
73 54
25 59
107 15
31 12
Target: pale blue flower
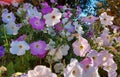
12 28
8 17
19 47
33 12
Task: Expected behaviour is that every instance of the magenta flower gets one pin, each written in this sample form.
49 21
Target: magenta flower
86 63
90 19
37 23
59 26
47 10
81 47
38 48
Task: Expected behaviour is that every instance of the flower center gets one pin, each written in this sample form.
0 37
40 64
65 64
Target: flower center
9 16
20 46
105 19
13 27
74 72
94 57
89 17
104 58
37 22
81 46
87 66
53 17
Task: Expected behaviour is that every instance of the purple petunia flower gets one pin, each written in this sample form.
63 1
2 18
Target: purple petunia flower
2 52
46 10
37 23
38 48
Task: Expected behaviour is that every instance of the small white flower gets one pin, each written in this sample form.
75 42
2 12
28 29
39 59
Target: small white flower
64 49
41 71
51 45
106 19
12 28
19 47
52 18
78 28
58 67
73 69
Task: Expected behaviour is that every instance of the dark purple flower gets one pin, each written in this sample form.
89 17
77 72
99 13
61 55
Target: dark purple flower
2 51
37 23
59 27
46 10
38 48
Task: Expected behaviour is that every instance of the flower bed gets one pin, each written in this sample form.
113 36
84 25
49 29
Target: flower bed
52 40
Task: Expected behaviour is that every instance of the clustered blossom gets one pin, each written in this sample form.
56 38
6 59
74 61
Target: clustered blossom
55 36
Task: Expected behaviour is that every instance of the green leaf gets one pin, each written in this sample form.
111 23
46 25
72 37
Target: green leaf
10 68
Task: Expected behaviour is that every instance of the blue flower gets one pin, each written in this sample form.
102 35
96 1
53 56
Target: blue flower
19 47
12 28
8 17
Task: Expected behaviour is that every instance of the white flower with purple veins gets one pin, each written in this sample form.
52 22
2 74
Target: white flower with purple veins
12 28
52 18
78 28
33 12
73 69
19 47
8 17
41 71
106 19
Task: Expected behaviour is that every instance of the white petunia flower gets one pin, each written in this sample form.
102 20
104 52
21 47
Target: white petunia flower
41 71
64 49
106 19
58 67
52 18
73 69
12 28
19 47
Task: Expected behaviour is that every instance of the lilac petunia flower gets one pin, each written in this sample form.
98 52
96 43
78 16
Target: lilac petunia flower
90 19
81 47
94 55
2 52
37 23
38 48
